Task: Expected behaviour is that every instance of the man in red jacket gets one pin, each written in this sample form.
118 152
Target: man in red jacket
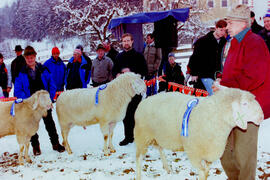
247 67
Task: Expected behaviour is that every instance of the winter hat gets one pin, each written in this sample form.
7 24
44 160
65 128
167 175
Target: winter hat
240 13
77 51
29 50
100 46
267 14
171 55
55 50
18 48
79 47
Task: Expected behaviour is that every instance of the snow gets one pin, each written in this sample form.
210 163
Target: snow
88 161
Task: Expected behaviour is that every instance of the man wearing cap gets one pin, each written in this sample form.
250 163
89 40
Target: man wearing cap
247 67
206 58
101 71
57 69
33 77
130 61
77 76
17 63
265 32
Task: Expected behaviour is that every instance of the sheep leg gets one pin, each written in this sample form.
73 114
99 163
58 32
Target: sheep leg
138 164
111 128
105 131
64 131
163 159
201 166
21 147
26 153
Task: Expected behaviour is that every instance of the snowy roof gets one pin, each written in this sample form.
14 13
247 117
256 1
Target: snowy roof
150 17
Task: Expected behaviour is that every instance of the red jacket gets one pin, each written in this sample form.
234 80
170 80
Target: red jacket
248 67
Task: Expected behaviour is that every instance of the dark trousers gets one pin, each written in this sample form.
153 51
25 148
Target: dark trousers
50 127
129 121
6 94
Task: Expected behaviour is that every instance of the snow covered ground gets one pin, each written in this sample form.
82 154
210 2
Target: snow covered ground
88 161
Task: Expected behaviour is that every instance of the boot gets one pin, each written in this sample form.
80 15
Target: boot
126 141
58 147
36 150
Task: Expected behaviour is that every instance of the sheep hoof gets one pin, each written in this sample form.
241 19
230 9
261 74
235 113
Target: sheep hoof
29 161
108 154
112 151
21 163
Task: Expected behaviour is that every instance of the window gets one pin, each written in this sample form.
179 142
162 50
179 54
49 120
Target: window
245 2
224 3
210 3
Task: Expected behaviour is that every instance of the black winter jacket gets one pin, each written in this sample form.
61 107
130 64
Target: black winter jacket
130 59
206 57
266 36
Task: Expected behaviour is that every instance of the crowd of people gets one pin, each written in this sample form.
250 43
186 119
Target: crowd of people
236 54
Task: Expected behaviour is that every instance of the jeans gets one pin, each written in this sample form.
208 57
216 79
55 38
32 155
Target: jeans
208 82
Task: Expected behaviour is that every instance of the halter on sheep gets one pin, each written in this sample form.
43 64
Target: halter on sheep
77 107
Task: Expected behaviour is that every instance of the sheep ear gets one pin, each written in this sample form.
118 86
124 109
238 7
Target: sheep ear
238 116
35 104
137 86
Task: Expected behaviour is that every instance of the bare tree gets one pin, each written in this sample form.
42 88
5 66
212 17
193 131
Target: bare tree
92 17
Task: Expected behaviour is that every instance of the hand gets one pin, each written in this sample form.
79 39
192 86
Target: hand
8 89
216 85
194 78
125 70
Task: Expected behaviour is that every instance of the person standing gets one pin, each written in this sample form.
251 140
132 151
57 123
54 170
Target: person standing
255 27
205 61
153 56
77 67
109 49
247 67
17 63
57 68
33 77
265 32
5 77
101 71
130 61
88 60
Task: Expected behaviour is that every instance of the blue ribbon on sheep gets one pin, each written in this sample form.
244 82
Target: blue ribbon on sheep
12 109
190 105
101 87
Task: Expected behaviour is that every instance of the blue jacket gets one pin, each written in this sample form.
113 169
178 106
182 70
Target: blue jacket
58 71
22 86
83 69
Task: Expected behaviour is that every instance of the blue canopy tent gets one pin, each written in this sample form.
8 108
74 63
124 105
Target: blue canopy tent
133 24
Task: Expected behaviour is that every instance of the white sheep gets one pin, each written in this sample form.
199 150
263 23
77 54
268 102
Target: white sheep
77 107
158 122
25 123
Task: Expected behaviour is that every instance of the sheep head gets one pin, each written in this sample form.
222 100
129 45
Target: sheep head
135 82
246 109
41 98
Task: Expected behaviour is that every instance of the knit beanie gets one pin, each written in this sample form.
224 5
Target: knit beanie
267 14
77 51
240 13
55 50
